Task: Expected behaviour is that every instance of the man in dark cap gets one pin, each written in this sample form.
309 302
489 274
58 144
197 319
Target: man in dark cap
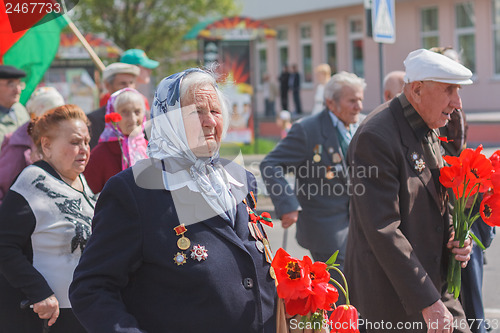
12 113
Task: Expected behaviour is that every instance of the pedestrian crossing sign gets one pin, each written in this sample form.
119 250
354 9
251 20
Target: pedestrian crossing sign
384 21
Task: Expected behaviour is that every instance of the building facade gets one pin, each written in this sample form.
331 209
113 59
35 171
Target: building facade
334 31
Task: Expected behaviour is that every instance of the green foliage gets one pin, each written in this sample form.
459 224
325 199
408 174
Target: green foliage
259 146
156 26
331 261
264 146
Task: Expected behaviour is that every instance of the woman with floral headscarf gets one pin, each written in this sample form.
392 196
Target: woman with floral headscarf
122 142
176 245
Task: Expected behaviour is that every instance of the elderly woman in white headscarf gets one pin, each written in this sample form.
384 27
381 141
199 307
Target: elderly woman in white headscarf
176 245
18 150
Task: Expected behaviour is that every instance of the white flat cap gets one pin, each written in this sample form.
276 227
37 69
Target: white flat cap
119 68
425 65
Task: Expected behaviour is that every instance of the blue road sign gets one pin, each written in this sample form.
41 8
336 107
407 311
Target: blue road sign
384 21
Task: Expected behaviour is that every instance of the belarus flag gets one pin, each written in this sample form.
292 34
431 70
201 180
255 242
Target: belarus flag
29 37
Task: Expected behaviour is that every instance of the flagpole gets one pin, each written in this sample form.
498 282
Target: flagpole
86 45
78 34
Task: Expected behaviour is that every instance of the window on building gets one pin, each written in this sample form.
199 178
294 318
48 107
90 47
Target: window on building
496 33
356 46
262 56
306 53
429 27
465 34
282 44
330 40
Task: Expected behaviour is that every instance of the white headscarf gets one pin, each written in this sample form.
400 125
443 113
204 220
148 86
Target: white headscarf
181 167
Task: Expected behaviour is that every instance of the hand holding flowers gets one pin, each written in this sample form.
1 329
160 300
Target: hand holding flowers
306 290
469 175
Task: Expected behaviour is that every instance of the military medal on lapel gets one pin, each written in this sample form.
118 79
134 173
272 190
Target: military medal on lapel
336 158
419 162
198 252
180 258
260 237
317 153
183 243
329 173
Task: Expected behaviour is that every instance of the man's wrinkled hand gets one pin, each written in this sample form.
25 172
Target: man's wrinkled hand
289 218
47 309
461 253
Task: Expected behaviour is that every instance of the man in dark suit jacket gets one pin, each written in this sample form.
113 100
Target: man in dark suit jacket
294 85
398 245
284 87
314 150
115 76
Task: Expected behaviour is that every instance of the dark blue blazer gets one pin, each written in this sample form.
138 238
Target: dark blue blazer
127 280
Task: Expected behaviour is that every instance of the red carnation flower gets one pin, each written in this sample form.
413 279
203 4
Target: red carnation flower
112 117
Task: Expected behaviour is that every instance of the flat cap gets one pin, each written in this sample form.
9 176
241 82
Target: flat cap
119 68
11 72
425 65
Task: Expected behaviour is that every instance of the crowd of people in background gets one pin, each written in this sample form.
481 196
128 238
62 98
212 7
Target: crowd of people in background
71 181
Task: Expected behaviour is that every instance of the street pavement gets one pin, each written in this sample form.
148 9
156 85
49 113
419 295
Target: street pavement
279 237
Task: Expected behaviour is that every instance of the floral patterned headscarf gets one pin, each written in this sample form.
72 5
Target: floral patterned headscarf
134 145
181 167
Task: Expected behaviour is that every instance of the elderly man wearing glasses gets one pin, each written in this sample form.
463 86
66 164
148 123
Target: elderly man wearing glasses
12 113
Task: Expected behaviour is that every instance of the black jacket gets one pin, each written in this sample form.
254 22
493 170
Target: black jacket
127 280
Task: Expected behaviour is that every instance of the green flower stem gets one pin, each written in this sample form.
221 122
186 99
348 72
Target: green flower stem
346 290
338 285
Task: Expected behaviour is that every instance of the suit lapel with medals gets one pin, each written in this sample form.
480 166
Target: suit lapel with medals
331 152
414 152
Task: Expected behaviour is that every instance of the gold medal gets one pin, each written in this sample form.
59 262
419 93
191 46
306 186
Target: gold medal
336 158
317 153
272 273
329 174
183 243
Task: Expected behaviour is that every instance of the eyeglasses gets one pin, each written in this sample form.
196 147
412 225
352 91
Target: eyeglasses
15 84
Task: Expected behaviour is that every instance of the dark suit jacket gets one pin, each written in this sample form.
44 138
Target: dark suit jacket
396 251
284 83
323 222
127 278
296 81
97 125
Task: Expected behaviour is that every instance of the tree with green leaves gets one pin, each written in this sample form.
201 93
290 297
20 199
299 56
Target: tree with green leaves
155 26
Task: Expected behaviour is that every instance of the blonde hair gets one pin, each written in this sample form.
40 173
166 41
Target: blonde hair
43 99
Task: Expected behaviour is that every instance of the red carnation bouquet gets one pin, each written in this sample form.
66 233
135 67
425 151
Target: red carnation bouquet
305 288
469 175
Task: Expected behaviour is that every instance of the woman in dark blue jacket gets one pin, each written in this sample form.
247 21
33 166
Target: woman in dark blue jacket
173 246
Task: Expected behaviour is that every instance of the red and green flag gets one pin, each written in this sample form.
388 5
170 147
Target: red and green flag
29 38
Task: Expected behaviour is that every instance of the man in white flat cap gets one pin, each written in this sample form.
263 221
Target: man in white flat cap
398 244
116 76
